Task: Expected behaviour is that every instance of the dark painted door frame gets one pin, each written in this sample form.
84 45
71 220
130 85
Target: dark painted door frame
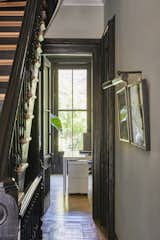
67 63
93 47
107 161
103 57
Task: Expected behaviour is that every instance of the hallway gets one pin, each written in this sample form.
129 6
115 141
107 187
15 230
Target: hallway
68 219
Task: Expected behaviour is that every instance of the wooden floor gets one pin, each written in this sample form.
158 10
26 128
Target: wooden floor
69 218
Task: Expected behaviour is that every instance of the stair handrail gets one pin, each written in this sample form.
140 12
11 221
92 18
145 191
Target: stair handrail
29 194
55 9
9 110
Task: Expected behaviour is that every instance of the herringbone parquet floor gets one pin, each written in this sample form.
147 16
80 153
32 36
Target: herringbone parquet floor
68 218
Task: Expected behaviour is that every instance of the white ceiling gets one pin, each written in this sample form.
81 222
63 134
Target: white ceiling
83 3
78 19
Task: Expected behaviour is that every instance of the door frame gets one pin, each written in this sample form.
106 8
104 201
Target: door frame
108 134
93 48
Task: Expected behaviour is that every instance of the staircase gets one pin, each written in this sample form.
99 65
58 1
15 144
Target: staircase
22 25
11 15
21 33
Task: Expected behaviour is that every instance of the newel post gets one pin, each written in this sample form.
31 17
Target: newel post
8 209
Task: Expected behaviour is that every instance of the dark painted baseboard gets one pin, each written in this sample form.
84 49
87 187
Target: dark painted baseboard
115 236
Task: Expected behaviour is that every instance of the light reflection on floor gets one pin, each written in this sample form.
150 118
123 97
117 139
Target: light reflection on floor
68 218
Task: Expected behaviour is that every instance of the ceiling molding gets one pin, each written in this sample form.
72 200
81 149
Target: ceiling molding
83 3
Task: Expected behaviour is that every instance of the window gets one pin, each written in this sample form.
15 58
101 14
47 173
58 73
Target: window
72 107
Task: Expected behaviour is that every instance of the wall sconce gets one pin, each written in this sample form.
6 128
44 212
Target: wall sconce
122 78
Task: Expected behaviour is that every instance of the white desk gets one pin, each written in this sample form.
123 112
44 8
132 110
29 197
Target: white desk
72 157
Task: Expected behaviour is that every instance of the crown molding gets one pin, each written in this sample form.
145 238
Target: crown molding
83 3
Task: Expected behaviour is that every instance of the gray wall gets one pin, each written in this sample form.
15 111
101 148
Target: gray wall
138 172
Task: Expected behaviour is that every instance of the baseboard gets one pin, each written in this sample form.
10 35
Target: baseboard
115 236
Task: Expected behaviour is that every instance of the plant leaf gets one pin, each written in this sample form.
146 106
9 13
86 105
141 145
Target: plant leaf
56 122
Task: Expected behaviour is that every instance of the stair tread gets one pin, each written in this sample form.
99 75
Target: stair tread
13 4
4 79
11 13
7 47
10 23
2 96
4 62
9 34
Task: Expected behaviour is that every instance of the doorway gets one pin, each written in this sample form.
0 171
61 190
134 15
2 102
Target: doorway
90 49
71 95
72 103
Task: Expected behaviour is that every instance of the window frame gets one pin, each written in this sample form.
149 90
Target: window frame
74 64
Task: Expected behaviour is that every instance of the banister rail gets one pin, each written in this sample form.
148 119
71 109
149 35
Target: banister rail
9 111
31 212
28 196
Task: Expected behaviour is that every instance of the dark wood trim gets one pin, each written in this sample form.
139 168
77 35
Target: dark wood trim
115 237
72 41
92 47
66 62
108 134
71 63
70 46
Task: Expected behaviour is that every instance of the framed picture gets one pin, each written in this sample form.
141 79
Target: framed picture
139 114
123 116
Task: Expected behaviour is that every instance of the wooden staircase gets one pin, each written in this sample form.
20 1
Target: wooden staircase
22 25
11 15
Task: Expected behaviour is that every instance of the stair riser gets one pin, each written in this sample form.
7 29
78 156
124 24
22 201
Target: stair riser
10 29
11 18
8 41
3 87
5 70
11 8
7 54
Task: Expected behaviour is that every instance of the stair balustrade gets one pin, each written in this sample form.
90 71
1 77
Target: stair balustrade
16 119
